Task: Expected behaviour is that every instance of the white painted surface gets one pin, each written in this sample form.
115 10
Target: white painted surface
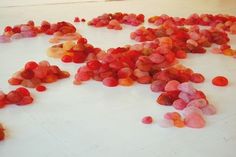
94 121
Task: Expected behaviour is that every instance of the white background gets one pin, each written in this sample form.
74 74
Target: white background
95 121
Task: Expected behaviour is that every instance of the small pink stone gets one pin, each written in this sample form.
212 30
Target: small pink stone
194 120
147 120
179 104
185 96
190 110
172 86
17 36
187 87
4 39
157 58
158 85
199 103
209 110
216 50
165 123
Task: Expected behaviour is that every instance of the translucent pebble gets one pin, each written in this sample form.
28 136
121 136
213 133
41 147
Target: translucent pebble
209 110
4 39
187 87
28 34
165 123
185 96
199 103
157 58
110 82
191 109
17 36
25 101
172 86
147 120
233 28
68 45
179 104
192 42
194 120
216 50
55 52
158 85
25 28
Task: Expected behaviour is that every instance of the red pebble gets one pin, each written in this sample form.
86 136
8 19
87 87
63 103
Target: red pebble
76 19
66 59
31 65
23 91
110 82
220 81
41 88
147 120
197 78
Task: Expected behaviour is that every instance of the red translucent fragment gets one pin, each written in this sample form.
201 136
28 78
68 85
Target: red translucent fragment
110 82
41 88
147 120
220 81
197 78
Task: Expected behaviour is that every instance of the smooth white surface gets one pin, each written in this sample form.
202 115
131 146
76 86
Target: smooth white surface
94 121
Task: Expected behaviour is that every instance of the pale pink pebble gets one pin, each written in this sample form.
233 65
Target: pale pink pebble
172 86
179 104
184 96
194 120
195 36
28 34
25 28
44 63
17 36
157 58
192 42
165 123
191 109
4 39
158 85
168 116
209 110
199 103
216 50
187 87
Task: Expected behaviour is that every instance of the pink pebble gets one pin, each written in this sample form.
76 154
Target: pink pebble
147 120
17 36
172 86
187 87
157 58
28 34
158 85
185 96
194 120
209 110
190 110
216 50
165 123
199 103
179 104
4 39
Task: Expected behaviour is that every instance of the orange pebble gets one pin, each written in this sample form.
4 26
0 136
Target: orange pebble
126 81
179 123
